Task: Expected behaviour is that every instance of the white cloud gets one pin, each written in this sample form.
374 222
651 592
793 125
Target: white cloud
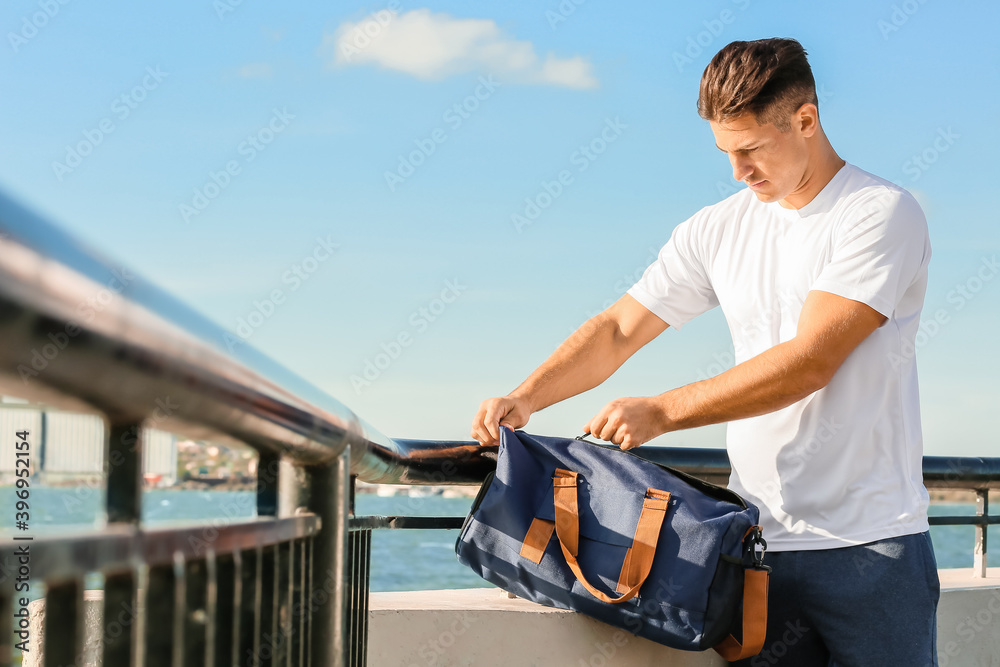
433 46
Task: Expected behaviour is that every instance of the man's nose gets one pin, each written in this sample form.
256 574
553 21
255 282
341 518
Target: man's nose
742 168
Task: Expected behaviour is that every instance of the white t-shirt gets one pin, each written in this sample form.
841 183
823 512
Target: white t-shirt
843 465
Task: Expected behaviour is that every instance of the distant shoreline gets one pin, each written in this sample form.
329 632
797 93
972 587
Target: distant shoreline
937 496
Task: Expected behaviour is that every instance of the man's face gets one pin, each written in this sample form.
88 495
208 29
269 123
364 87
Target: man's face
770 162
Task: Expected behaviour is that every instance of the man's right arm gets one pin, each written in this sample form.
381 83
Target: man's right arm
584 360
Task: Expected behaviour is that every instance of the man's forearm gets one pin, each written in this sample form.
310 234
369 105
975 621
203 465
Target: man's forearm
584 360
772 380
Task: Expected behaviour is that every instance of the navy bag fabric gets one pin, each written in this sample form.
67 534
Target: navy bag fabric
692 594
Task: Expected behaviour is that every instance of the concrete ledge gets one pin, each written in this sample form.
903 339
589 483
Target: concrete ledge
969 619
483 627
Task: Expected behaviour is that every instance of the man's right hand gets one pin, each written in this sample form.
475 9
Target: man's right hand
509 411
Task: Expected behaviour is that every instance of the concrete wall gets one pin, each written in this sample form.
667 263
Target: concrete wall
969 619
484 628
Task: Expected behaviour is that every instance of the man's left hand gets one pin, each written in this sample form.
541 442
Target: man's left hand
630 422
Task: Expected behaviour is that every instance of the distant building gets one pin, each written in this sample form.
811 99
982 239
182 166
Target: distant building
67 445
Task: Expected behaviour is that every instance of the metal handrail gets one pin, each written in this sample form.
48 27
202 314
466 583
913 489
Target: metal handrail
465 462
86 335
82 334
977 474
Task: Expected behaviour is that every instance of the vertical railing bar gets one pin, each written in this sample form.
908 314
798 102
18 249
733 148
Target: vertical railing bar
268 612
303 602
159 646
238 606
293 605
358 594
211 606
193 618
356 583
979 548
119 597
245 649
350 575
227 648
367 590
180 604
309 603
63 636
276 605
283 603
258 601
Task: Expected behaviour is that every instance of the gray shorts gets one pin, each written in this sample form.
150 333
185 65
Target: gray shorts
872 605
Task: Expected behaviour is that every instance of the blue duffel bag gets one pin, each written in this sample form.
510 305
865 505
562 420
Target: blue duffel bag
572 524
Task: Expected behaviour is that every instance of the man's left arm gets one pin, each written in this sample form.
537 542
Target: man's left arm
829 328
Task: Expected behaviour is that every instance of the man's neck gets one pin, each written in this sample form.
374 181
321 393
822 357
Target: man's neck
820 171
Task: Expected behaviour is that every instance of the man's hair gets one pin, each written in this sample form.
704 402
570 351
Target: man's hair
769 78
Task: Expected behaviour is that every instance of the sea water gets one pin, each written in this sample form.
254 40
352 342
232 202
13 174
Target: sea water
401 559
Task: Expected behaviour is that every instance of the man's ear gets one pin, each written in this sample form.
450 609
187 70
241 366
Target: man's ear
806 119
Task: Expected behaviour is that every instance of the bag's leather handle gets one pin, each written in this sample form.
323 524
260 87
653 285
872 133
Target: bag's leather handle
755 581
639 560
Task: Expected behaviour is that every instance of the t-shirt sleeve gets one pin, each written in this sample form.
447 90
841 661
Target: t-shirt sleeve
677 287
879 254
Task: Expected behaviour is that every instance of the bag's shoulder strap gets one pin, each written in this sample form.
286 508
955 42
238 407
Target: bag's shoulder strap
755 581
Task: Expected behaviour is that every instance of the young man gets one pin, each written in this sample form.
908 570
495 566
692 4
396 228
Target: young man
820 269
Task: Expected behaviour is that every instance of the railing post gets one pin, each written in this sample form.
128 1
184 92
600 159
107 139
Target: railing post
123 504
328 499
124 464
268 470
979 550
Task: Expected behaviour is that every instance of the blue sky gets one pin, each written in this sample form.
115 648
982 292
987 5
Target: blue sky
233 152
